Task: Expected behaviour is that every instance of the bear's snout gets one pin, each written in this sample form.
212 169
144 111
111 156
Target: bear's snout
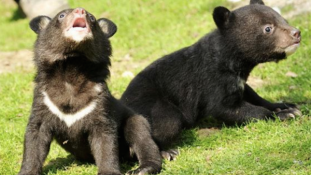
296 34
79 11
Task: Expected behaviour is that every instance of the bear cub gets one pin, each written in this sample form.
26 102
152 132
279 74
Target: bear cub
209 77
72 103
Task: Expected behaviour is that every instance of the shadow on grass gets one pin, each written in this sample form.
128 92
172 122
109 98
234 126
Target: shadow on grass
206 127
60 164
18 14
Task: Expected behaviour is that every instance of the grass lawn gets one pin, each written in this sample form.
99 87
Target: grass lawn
146 31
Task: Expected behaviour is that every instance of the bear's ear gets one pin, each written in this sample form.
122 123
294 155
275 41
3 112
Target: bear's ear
221 17
39 23
257 2
107 26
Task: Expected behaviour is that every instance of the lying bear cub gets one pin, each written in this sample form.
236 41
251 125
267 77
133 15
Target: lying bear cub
72 102
209 77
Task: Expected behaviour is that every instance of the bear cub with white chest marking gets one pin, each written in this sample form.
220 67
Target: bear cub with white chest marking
209 77
72 103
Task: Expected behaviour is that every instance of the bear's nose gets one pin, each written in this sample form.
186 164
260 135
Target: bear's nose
79 11
296 33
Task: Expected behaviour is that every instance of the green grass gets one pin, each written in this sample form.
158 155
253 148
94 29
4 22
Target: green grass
148 30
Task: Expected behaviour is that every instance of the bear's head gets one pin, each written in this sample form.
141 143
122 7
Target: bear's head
256 32
72 32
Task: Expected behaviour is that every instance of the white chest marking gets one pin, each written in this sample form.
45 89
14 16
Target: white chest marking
78 34
69 119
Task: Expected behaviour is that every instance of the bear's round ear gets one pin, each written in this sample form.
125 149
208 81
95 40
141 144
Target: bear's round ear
257 2
107 26
221 17
39 23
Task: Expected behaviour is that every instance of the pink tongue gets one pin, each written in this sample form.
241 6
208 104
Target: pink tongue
80 22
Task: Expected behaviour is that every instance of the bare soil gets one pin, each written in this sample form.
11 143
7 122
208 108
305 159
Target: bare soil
16 60
297 7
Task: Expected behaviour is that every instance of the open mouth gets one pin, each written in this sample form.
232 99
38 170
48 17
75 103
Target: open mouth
79 23
297 40
78 30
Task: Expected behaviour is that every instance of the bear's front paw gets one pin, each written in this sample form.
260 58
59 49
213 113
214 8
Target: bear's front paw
289 113
149 168
170 154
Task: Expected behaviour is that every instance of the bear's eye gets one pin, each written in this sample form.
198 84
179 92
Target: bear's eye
62 15
92 18
268 29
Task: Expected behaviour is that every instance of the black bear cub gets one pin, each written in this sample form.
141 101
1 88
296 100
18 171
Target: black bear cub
209 77
72 102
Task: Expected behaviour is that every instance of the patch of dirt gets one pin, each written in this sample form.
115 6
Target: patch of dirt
207 132
7 3
295 7
23 60
255 82
17 60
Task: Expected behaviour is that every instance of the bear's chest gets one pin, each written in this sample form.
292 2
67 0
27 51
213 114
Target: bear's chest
71 98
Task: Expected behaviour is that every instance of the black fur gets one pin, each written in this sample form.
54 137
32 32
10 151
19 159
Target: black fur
209 77
73 75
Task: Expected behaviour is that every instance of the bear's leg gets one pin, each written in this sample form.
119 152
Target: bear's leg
36 147
104 147
247 112
138 135
167 123
252 97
